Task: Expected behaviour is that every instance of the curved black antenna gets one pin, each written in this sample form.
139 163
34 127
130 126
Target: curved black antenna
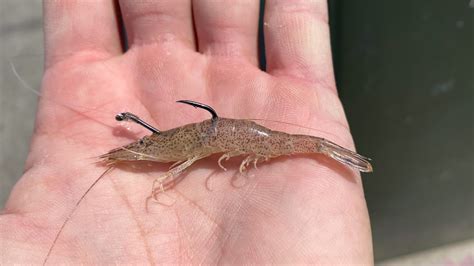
201 105
126 116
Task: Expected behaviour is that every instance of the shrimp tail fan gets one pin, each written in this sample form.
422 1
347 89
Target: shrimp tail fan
346 156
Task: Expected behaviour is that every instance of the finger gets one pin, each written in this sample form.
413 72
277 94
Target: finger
158 22
297 40
227 28
73 27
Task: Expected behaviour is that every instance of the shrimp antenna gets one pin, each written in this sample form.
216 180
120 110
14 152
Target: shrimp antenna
126 116
201 105
68 218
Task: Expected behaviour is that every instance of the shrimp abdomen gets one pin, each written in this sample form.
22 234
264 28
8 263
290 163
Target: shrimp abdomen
310 144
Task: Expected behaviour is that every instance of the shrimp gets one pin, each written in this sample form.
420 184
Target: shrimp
187 144
230 137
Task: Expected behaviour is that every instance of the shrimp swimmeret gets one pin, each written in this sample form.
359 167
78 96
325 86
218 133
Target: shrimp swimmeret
230 137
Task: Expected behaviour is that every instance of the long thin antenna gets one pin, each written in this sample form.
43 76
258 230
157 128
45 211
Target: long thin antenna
72 212
126 116
22 81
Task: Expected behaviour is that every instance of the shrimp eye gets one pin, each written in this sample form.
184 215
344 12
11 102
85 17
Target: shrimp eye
141 142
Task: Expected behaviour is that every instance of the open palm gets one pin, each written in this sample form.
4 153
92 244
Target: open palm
289 210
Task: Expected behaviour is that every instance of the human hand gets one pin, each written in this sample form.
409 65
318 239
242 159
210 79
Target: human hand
304 209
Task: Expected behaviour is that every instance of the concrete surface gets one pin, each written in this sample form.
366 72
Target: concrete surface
21 42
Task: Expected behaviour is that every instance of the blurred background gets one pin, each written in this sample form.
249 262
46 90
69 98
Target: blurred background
405 75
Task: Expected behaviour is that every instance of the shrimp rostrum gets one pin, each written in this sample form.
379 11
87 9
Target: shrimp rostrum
230 137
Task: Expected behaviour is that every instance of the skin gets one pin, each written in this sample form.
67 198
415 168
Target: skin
301 209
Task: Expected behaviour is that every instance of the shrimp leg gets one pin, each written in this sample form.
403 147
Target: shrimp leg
227 156
253 158
173 175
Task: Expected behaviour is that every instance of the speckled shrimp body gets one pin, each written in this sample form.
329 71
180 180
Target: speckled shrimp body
230 137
